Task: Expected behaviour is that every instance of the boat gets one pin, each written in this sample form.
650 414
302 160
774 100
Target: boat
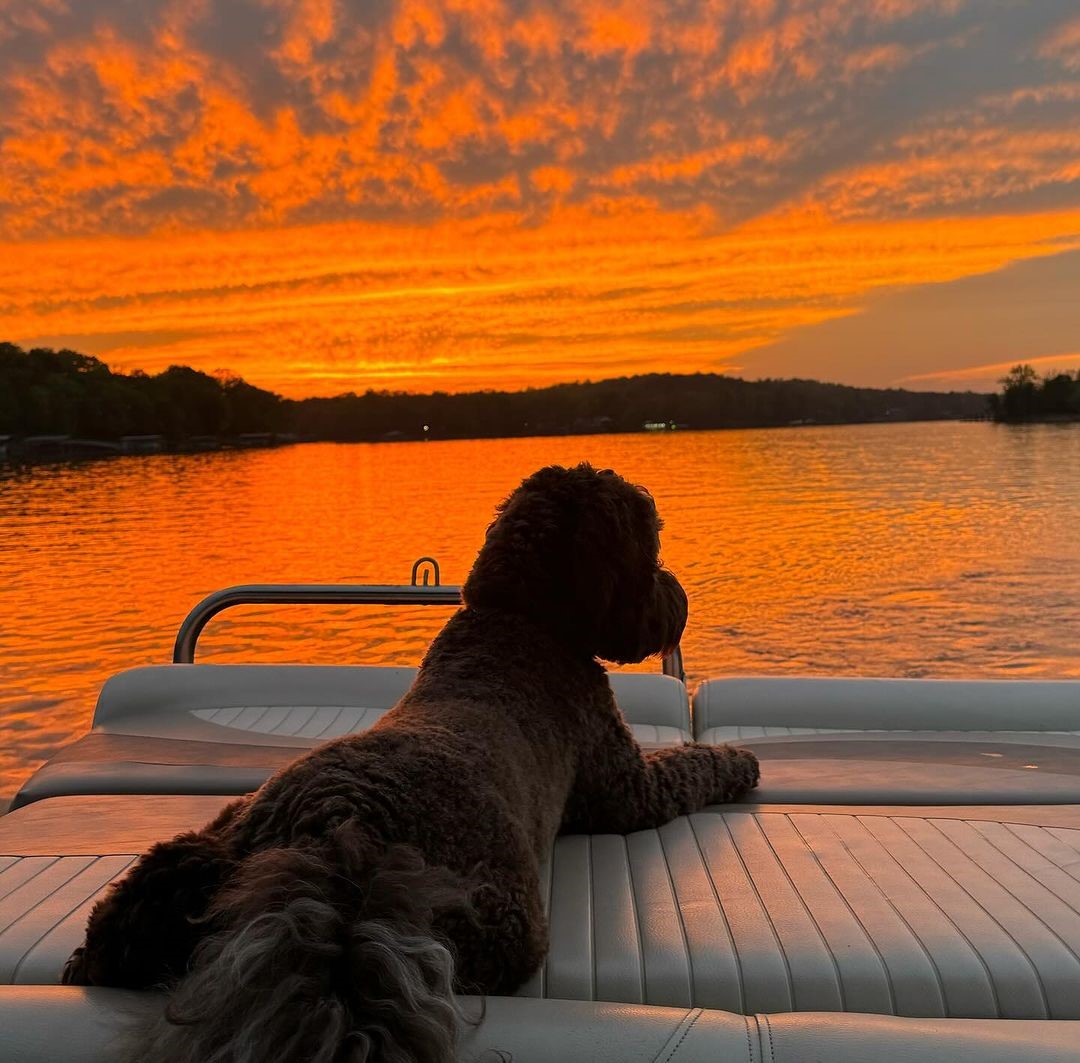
905 881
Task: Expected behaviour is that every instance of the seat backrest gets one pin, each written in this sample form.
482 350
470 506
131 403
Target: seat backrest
888 704
271 703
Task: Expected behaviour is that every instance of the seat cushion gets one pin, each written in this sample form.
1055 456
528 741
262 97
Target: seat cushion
912 768
224 729
893 911
74 1025
961 912
890 741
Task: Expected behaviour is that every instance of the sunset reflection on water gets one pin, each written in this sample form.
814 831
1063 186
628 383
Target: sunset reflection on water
924 550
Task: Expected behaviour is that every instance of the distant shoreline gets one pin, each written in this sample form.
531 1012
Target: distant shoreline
1058 418
87 450
52 449
64 400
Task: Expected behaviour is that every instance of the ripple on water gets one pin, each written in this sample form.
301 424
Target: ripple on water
941 549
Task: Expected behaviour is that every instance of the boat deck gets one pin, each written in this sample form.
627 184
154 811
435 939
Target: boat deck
906 876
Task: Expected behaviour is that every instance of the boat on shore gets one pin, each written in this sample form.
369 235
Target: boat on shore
905 880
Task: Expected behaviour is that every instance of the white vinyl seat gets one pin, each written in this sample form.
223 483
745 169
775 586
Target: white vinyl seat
70 1025
224 729
922 912
302 705
766 707
902 741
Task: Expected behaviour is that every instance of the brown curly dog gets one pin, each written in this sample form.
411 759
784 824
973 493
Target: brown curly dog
331 916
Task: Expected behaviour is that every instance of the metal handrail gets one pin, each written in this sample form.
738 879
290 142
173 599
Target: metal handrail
672 664
301 594
329 594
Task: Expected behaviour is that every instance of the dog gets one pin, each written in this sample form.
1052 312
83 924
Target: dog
335 915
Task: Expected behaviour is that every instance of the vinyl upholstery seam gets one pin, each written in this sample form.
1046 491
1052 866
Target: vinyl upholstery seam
768 1029
678 1044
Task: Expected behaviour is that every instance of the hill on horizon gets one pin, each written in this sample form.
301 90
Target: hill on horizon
44 391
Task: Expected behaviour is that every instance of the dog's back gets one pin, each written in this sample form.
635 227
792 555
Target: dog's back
331 916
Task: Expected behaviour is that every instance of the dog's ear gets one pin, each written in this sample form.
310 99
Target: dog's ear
143 931
526 545
577 550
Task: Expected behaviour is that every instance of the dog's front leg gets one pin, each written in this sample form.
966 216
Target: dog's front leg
626 790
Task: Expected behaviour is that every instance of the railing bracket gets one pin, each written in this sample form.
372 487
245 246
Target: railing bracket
430 568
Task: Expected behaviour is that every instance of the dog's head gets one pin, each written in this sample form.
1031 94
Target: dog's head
577 550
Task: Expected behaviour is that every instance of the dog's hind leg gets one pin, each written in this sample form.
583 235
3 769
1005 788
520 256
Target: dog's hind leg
143 931
619 788
503 940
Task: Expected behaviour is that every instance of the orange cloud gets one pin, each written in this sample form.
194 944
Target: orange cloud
610 27
1063 44
324 112
467 304
988 377
953 167
477 191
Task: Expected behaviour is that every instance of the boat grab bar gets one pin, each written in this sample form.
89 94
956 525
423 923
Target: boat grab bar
301 594
331 594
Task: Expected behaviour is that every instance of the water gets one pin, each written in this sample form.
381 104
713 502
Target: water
916 549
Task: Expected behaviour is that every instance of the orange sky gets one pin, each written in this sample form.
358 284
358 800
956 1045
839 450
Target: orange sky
502 193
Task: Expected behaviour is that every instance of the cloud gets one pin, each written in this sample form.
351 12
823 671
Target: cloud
290 111
953 334
321 194
988 377
467 303
1062 44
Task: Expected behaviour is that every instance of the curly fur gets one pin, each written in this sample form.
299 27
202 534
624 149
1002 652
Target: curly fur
332 916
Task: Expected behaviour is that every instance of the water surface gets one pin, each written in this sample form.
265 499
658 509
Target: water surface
916 549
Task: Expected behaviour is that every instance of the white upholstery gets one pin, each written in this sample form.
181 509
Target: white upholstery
43 911
764 736
654 736
307 704
888 704
562 1031
69 1025
893 914
224 729
901 741
933 912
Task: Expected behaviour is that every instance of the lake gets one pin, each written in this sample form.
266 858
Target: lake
937 549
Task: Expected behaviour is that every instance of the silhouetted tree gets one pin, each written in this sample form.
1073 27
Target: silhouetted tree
248 408
1025 397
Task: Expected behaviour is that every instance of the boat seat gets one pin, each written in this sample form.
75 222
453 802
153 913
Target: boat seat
75 1025
927 912
223 729
902 741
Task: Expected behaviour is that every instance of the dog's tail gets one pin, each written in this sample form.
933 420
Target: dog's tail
322 956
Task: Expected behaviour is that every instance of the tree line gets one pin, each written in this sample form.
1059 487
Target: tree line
1025 396
48 392
45 391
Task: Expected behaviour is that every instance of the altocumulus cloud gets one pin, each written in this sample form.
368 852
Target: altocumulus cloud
400 137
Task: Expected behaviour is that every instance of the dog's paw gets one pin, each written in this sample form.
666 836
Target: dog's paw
751 768
745 771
